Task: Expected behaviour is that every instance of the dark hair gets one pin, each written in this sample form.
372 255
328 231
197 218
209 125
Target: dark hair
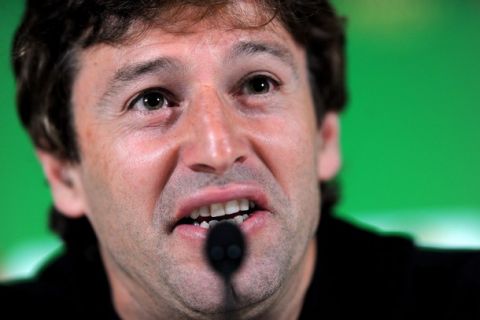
52 33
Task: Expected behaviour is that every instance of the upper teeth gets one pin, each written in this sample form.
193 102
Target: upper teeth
222 209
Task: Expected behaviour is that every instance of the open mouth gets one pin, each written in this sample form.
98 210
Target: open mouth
236 211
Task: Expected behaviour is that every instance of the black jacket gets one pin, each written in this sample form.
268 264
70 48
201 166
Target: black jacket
359 274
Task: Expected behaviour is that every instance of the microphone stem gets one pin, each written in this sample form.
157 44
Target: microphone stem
228 299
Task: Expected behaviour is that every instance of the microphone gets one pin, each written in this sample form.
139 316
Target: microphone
225 250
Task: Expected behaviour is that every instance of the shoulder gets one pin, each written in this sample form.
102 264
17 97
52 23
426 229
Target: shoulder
39 296
71 286
447 281
389 276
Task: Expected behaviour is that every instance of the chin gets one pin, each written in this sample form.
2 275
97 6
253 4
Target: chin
254 288
202 292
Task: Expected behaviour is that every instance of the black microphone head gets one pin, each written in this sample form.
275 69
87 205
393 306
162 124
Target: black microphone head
225 248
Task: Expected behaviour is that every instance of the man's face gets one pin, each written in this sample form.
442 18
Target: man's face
170 124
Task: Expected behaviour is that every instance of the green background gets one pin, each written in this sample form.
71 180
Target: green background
409 136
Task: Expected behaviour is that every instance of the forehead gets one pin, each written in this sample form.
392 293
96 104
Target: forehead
210 26
211 40
209 34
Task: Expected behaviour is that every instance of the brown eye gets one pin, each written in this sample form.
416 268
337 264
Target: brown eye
259 84
151 100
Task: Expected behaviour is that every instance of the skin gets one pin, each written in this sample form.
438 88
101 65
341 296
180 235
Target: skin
138 165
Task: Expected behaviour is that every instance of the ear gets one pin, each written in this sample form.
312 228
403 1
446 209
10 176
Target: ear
65 184
328 153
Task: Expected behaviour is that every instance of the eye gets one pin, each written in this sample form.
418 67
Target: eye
259 84
152 99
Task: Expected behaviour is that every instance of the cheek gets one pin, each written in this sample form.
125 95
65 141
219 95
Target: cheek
123 179
287 146
296 170
125 171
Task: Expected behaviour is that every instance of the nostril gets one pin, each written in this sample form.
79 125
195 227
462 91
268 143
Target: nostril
200 167
241 159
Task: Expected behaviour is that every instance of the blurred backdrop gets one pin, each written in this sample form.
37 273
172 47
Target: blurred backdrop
410 135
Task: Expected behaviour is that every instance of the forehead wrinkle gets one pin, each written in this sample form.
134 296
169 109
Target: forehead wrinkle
134 71
252 48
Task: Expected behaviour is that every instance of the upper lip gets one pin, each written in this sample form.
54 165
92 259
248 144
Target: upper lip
220 194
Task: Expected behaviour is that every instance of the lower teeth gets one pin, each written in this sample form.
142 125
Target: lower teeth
206 225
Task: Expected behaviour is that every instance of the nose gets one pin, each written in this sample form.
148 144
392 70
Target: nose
216 143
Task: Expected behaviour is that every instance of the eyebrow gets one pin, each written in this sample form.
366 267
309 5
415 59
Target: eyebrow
131 72
162 64
251 48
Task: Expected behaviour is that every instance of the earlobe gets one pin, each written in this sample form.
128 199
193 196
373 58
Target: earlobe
328 156
65 184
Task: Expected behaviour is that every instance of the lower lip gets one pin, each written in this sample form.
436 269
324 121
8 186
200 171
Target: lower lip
255 222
